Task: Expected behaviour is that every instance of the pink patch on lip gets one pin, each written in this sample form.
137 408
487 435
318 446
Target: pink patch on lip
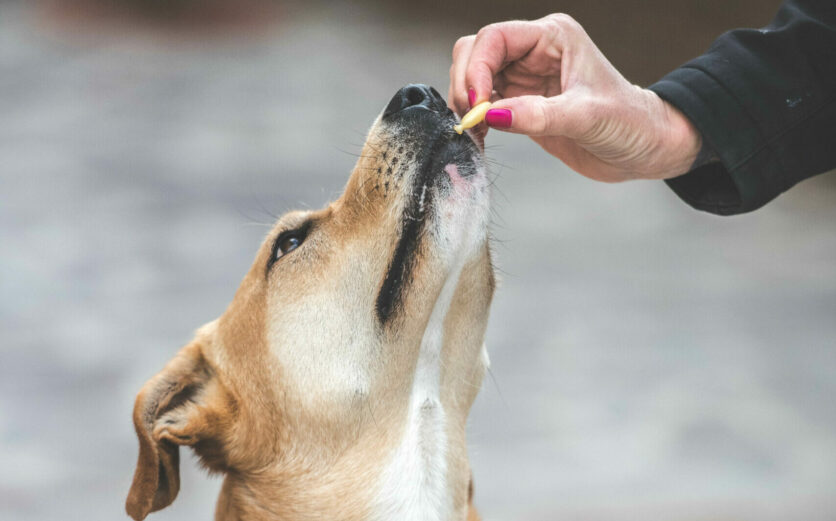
458 181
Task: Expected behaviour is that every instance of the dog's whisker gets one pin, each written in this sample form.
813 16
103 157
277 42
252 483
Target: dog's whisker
359 156
371 413
259 224
498 390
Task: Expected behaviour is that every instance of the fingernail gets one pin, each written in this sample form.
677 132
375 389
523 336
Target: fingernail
471 96
498 118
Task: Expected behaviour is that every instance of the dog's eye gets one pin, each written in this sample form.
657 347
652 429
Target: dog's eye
288 242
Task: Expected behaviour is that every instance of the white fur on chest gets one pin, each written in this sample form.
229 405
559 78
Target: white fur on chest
414 485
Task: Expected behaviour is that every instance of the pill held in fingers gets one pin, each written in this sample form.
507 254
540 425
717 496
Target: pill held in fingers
474 116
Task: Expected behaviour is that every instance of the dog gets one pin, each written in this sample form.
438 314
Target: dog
338 382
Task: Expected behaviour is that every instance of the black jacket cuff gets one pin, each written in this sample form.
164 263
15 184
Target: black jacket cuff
748 174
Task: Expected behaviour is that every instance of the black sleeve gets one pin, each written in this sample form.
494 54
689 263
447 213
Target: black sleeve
764 101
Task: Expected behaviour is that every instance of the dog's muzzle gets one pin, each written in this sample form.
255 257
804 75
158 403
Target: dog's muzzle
418 120
420 117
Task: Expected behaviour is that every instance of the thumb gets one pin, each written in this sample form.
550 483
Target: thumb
532 115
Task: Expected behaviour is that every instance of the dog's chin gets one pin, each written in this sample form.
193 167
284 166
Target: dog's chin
454 177
448 168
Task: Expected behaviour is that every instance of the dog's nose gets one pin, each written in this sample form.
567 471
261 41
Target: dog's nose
415 95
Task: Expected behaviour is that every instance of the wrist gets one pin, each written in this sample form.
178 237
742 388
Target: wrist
681 143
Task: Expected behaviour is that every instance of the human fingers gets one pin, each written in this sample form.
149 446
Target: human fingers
457 96
535 115
500 44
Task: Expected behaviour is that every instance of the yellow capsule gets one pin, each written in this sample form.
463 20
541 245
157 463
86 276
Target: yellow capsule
473 117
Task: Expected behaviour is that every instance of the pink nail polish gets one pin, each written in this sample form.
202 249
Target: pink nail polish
498 118
471 96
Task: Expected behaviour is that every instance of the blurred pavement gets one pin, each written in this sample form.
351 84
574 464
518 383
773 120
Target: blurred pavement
649 361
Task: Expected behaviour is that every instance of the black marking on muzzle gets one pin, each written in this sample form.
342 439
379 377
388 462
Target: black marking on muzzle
413 226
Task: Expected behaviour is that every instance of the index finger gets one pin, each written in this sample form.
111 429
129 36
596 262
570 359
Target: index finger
496 46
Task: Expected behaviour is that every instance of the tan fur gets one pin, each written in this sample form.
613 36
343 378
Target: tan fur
294 393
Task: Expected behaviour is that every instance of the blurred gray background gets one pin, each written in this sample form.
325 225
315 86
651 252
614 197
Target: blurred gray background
649 361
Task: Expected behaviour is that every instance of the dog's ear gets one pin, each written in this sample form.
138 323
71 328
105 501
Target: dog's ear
184 404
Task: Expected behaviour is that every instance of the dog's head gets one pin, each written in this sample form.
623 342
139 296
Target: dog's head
306 379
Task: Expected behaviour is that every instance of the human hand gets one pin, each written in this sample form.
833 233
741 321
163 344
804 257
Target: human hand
549 81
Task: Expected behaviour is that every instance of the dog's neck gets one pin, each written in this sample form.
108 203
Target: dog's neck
415 481
425 475
346 497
